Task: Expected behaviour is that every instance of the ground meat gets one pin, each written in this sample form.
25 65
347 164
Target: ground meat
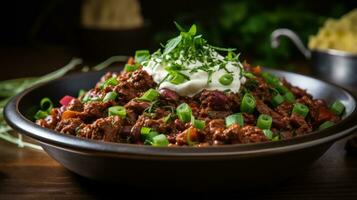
215 100
133 84
251 134
134 108
69 126
284 109
51 120
302 127
278 120
169 95
106 129
88 115
75 105
96 109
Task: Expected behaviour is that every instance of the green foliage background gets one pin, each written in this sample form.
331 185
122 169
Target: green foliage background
247 25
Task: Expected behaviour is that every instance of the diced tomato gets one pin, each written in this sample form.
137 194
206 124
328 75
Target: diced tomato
256 70
65 100
131 61
70 114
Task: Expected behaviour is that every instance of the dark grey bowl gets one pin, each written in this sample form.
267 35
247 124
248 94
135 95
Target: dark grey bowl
238 166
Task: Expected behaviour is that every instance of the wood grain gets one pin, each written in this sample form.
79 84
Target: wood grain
30 174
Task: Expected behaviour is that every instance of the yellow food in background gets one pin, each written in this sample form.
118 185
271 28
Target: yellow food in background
339 34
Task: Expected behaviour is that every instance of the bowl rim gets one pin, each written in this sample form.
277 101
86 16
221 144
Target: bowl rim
335 52
50 137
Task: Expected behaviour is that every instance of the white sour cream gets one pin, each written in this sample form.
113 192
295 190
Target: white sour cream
199 79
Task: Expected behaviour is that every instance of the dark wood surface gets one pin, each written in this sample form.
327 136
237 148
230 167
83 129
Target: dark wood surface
31 174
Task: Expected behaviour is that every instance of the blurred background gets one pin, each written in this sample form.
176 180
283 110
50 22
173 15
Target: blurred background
38 36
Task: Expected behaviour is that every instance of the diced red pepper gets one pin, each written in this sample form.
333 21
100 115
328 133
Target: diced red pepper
65 100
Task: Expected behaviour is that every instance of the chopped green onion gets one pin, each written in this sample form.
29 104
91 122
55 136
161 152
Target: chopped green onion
270 78
264 121
110 81
184 112
86 98
46 104
160 141
282 89
268 133
110 96
142 55
300 109
150 95
177 78
130 68
276 138
235 119
200 124
41 114
81 93
277 100
249 75
289 97
226 79
337 107
148 139
248 103
326 125
117 110
145 130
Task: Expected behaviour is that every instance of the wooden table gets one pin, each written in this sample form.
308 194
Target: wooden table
32 174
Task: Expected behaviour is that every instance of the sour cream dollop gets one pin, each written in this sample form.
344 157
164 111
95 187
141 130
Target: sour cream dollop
198 79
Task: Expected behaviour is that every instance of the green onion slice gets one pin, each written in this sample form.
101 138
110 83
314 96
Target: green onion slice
117 111
110 96
184 112
150 95
226 79
300 109
234 119
248 103
160 141
141 56
41 114
338 108
46 104
264 121
326 125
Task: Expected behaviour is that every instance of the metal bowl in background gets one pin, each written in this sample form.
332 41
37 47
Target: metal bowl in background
332 65
226 166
